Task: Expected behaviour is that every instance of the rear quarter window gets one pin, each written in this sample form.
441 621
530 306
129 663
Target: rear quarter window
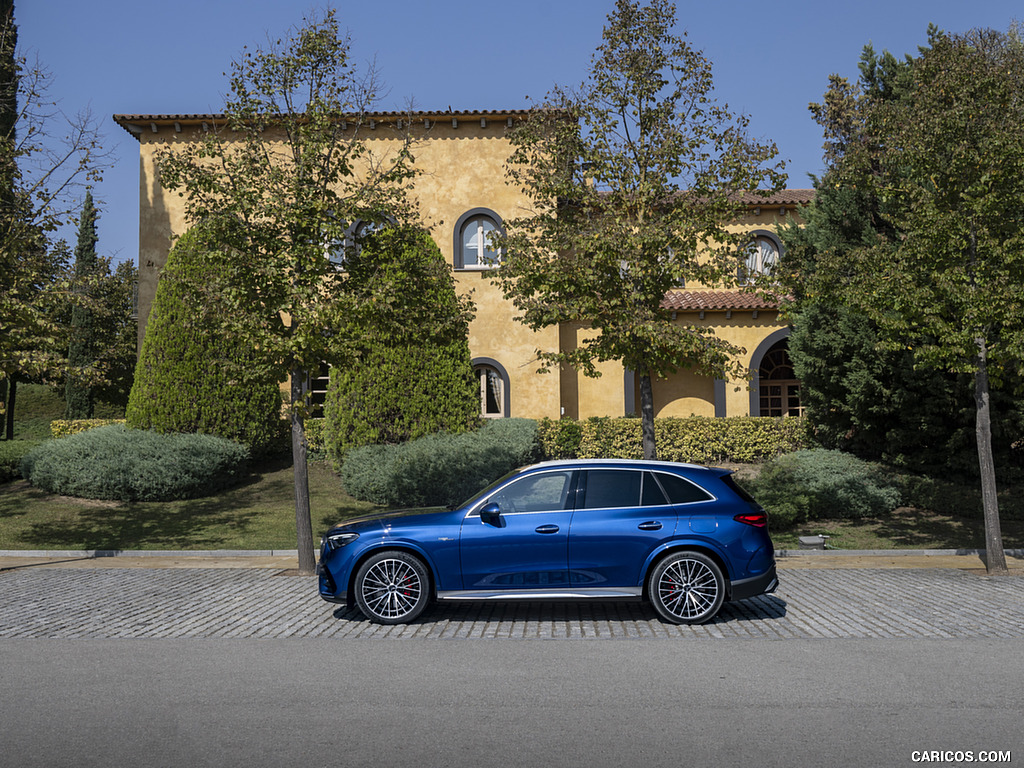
731 483
680 490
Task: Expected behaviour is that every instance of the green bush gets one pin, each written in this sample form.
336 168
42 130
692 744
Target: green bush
411 373
114 462
957 499
190 377
439 469
698 440
11 454
65 427
816 484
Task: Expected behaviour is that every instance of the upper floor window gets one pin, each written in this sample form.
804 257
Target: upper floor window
475 233
338 250
762 258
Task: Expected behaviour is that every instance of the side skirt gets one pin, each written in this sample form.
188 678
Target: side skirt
542 594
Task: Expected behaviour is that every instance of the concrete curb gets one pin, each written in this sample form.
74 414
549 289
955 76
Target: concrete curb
781 553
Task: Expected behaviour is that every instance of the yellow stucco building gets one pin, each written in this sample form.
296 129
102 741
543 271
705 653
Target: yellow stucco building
462 195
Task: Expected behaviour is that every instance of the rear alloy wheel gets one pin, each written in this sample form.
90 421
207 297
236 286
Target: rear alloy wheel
687 588
392 588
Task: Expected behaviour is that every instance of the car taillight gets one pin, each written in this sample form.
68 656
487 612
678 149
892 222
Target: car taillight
757 519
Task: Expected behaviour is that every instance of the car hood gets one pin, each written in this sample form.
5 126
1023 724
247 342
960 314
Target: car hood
381 518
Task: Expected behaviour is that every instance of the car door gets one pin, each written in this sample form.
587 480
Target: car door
621 516
520 539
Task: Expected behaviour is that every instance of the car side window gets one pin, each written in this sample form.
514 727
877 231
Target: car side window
612 488
652 495
682 491
535 493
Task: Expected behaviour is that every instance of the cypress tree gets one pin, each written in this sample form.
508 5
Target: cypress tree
412 373
82 349
188 378
8 173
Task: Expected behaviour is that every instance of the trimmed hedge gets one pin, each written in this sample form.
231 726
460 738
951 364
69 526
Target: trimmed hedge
439 469
190 376
412 373
64 427
817 484
114 462
699 440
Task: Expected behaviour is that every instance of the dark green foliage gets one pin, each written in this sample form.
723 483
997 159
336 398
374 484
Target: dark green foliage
818 483
864 395
83 348
190 377
134 465
411 373
11 454
439 469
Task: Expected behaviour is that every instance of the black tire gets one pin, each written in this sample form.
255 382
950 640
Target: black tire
392 587
686 588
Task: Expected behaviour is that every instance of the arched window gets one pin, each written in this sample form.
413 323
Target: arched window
494 393
777 384
338 250
762 257
474 239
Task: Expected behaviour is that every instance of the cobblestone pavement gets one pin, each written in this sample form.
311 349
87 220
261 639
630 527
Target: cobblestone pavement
266 603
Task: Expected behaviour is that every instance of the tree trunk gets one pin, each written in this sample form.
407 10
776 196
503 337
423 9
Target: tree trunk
995 557
303 521
12 392
647 417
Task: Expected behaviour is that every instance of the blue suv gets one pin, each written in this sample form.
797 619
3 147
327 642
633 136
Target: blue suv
684 537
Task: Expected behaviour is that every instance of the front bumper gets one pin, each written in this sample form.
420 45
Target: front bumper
327 588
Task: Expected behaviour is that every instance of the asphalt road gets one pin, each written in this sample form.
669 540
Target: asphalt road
504 702
246 666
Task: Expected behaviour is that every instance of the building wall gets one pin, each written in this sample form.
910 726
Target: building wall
461 163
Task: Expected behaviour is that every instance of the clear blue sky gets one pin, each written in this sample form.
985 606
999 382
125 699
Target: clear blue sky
770 59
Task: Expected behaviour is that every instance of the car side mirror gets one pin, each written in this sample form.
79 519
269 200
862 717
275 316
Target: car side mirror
491 513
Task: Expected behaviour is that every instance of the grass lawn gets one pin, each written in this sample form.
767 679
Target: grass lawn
259 514
906 528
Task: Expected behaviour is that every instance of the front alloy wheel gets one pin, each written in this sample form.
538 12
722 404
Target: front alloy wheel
392 588
687 588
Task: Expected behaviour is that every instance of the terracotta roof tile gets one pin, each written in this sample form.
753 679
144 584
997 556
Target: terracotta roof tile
782 197
694 301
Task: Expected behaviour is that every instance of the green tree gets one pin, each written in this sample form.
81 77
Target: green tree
83 348
633 179
412 374
948 282
44 157
877 403
288 164
189 377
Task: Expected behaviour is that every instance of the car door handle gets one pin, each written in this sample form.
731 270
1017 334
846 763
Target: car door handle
652 525
547 529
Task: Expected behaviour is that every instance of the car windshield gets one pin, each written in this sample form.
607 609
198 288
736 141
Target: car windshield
482 493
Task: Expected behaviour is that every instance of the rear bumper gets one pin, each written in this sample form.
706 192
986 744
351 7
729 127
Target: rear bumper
766 583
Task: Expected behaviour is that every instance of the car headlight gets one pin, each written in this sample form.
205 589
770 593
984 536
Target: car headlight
340 539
